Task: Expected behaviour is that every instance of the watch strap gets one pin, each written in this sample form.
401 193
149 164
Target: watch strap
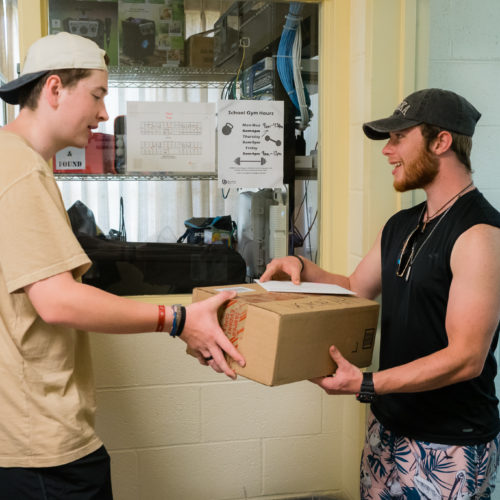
367 392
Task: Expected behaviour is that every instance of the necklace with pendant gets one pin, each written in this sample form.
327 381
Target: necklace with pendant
414 253
430 217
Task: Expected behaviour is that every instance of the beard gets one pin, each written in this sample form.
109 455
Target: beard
419 172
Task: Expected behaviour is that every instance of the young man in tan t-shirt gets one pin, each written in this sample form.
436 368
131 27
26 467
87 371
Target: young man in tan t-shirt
48 446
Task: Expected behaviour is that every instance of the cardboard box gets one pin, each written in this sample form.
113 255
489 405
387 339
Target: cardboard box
285 337
199 51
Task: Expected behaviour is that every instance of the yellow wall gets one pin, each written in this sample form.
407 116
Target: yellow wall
373 53
32 23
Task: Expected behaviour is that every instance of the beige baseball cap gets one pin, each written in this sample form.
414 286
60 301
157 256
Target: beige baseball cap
60 51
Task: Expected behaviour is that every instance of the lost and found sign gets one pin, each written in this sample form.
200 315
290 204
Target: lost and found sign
250 144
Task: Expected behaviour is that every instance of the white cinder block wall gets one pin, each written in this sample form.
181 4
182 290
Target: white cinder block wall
465 57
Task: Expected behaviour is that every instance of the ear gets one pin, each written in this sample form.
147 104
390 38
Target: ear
52 90
441 143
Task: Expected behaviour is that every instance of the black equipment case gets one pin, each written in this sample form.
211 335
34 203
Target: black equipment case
127 268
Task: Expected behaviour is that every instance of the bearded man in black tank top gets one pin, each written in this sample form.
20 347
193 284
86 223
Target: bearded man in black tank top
433 430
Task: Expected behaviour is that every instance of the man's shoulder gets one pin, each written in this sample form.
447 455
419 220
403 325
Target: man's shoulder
486 205
474 209
12 143
18 158
482 232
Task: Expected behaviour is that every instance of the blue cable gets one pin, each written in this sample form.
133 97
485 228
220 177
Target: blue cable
284 60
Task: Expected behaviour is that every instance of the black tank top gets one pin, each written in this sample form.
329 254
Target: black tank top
413 326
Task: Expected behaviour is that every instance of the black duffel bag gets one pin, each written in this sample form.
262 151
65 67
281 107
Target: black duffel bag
127 268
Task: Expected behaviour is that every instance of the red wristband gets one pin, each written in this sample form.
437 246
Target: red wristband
161 319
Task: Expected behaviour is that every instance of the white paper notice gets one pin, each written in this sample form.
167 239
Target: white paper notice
304 287
250 143
174 137
70 159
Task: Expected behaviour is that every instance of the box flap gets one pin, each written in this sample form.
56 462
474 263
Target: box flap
288 303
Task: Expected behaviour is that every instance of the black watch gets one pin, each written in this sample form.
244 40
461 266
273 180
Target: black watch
367 392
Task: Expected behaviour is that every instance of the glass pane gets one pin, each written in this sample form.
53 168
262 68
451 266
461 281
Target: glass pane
229 51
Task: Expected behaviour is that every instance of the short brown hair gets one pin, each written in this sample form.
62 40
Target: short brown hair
461 144
29 94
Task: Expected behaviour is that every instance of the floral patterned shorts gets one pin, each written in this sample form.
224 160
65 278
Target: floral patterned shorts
393 466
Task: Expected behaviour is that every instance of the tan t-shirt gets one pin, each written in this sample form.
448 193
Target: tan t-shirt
47 396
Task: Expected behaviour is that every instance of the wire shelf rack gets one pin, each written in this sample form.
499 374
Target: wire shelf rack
171 77
160 176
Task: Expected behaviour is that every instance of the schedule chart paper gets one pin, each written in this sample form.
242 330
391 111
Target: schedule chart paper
176 138
250 144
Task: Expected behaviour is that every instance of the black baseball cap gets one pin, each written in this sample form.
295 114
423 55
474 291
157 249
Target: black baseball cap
442 108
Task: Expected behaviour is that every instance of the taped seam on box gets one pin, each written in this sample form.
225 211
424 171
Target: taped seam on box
234 321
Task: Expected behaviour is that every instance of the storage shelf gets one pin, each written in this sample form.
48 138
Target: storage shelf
136 177
174 77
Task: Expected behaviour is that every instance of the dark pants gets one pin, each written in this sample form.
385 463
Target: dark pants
88 478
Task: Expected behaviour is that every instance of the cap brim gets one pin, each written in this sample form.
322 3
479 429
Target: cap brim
379 129
10 91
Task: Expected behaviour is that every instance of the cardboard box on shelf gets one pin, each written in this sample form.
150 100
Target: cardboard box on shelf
199 51
285 337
